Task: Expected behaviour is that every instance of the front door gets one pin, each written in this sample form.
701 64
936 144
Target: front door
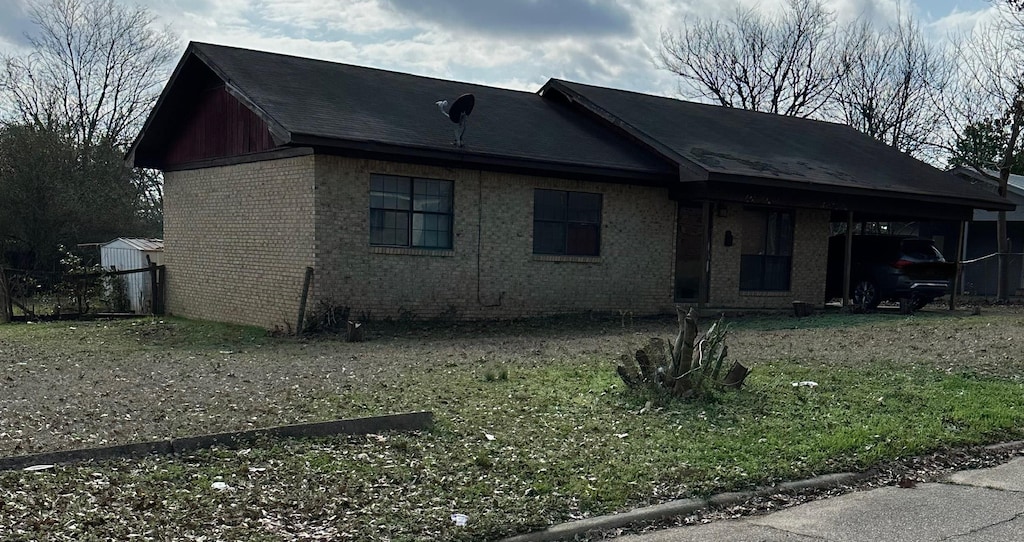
692 223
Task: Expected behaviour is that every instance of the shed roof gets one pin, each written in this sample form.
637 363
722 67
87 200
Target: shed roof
143 244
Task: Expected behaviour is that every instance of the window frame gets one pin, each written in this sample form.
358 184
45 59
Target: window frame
571 226
378 213
781 254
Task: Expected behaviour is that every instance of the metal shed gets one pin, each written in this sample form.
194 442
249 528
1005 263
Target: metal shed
125 253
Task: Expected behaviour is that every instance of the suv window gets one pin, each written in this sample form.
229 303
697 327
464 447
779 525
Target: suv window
920 250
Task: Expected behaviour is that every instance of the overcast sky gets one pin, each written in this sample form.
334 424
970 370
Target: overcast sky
508 43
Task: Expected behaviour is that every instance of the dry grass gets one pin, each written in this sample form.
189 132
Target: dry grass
96 383
533 425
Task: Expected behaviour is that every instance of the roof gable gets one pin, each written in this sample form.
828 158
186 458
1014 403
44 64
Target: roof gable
315 103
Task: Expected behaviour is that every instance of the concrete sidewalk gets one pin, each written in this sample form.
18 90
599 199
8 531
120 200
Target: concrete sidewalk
979 506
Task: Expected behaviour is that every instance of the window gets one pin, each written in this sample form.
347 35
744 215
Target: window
767 256
566 223
410 212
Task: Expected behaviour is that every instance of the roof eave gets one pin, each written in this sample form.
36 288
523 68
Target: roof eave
467 157
989 204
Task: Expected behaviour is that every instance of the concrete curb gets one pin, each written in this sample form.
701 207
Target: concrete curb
682 507
412 421
570 529
1006 446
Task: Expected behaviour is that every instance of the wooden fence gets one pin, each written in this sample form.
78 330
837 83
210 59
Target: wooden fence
14 296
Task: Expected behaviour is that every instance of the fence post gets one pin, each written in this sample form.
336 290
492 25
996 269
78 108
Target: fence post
153 285
302 301
6 312
160 294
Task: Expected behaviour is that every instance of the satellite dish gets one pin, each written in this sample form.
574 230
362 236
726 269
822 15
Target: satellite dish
462 107
458 112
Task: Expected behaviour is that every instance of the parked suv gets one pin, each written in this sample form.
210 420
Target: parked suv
889 268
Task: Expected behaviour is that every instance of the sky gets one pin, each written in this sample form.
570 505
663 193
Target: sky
516 44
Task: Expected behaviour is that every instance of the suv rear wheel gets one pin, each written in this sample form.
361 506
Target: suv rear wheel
865 293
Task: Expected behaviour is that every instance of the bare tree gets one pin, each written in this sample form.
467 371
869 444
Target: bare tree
894 77
993 88
76 99
95 66
788 63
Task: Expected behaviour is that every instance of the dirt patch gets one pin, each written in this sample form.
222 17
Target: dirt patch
99 383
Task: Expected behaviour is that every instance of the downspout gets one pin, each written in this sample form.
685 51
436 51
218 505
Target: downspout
479 242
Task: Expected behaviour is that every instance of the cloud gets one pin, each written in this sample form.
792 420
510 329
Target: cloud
513 43
14 22
533 18
356 17
959 23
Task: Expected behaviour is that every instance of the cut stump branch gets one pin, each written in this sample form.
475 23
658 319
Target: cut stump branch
736 375
354 332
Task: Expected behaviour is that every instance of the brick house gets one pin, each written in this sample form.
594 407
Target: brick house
570 199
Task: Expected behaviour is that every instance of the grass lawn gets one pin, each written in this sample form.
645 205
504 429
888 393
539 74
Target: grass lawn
533 425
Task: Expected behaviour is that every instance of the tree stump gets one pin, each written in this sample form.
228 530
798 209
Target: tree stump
736 375
355 332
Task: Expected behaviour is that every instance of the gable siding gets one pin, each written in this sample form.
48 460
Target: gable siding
238 240
219 126
491 272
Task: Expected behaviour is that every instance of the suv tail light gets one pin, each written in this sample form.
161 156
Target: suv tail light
900 264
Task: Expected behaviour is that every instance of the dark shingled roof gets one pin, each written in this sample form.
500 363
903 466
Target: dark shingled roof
318 103
566 128
720 143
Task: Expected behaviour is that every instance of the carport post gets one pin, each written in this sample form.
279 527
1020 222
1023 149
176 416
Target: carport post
958 278
5 299
847 258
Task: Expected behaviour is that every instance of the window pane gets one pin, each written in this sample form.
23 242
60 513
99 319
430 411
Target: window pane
376 227
776 273
549 204
431 231
582 240
785 247
766 258
751 272
388 192
753 232
548 238
446 196
432 195
771 240
584 207
389 228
